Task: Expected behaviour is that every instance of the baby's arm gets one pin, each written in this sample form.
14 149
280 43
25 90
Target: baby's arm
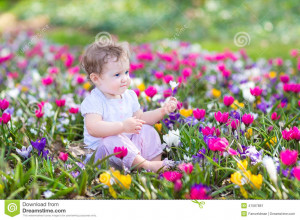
151 117
96 127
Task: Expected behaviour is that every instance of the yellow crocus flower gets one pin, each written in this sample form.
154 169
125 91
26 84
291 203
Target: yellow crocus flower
236 177
112 192
236 103
126 181
87 85
272 141
256 180
242 165
244 192
216 93
158 126
249 133
105 178
141 87
186 112
272 74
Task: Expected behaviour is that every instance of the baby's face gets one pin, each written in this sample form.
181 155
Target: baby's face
115 78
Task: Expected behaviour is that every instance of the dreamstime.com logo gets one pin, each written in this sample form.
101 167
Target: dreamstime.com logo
12 207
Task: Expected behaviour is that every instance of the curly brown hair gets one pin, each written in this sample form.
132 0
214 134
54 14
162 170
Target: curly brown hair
97 55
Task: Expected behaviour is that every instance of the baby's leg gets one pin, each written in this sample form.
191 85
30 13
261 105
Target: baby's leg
140 162
149 143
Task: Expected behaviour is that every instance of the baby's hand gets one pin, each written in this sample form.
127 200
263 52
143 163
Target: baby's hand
170 106
132 125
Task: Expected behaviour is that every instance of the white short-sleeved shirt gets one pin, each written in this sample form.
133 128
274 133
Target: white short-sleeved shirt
109 109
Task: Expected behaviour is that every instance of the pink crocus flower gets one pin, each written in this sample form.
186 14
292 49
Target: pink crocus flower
284 78
218 144
167 93
247 119
299 103
275 116
4 104
297 173
287 135
256 91
288 157
53 70
39 113
80 79
159 75
226 73
47 81
178 185
151 91
233 123
295 133
221 117
123 152
221 66
199 113
186 167
179 105
228 100
6 118
60 102
199 191
69 60
186 72
73 110
13 75
74 70
172 176
137 92
279 62
294 52
168 78
63 156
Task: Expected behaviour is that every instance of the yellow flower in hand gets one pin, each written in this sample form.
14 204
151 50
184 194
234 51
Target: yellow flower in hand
158 126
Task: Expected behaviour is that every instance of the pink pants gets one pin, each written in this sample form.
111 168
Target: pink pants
147 144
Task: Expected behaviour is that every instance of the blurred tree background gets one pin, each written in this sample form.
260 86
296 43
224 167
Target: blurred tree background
272 25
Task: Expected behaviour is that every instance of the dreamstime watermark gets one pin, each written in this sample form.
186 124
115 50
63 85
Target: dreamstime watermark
103 39
179 31
34 39
241 39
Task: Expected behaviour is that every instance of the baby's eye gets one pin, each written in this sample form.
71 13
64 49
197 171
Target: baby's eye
126 72
118 74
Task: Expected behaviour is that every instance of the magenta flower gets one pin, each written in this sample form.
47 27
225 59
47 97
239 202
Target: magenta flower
53 70
288 157
80 79
218 144
122 152
47 81
4 104
186 72
295 134
39 113
297 173
247 119
60 102
186 167
199 113
63 156
168 78
256 91
233 123
275 116
177 185
221 117
228 100
284 78
287 135
73 110
172 176
199 191
137 92
5 118
151 91
159 75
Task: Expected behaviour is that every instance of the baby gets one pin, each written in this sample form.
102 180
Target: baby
112 114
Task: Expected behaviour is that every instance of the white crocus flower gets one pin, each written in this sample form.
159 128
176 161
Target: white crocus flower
172 138
48 194
173 84
270 166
